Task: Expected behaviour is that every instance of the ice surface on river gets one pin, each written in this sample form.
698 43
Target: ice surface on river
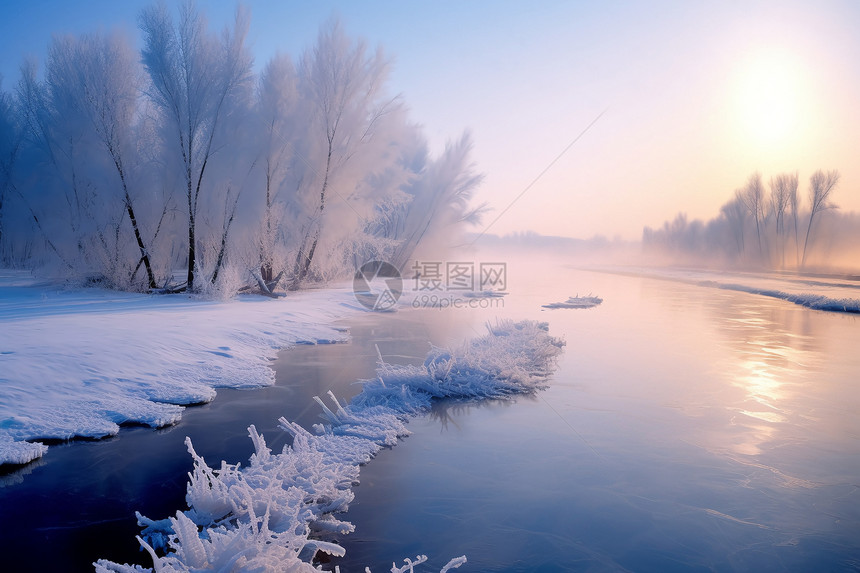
82 362
275 514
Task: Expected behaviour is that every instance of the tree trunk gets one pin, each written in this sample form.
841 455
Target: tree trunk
144 254
806 241
266 245
758 234
191 253
224 236
796 242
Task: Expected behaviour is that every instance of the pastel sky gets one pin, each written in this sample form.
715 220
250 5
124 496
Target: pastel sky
694 96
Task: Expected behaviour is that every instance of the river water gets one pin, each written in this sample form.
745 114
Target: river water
686 429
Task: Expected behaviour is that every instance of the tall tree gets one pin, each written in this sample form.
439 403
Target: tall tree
821 185
753 195
99 77
735 214
276 111
342 84
10 145
792 183
48 129
439 202
780 196
193 75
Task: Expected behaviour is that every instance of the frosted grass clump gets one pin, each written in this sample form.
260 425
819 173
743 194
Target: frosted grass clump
512 358
259 518
277 513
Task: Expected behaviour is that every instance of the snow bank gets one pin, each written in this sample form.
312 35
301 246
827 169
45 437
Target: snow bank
278 512
81 363
827 293
12 452
809 300
576 302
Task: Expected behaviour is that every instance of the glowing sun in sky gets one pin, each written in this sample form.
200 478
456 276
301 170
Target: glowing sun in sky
770 99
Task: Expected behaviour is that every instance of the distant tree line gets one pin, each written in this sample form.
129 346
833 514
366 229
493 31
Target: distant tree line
762 225
122 167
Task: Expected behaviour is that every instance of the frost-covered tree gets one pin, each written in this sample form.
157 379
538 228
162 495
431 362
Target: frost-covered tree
721 238
58 201
793 202
194 75
97 78
438 201
780 198
10 146
753 195
341 85
734 212
276 113
123 167
821 185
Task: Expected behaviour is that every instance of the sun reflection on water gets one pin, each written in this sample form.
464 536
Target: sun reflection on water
772 355
764 357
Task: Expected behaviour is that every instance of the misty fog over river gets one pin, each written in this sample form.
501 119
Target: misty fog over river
686 428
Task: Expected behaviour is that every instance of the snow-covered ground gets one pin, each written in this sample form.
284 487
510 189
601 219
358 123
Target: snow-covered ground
82 362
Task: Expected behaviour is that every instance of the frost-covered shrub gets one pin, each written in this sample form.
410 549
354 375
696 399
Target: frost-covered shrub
513 358
227 283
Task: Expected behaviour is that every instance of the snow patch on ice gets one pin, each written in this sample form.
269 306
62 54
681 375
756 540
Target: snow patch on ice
279 511
576 302
484 294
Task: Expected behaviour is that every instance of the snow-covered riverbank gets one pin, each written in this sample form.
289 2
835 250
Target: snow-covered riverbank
829 293
82 362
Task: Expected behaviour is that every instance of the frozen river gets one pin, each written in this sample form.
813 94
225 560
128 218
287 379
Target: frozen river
687 428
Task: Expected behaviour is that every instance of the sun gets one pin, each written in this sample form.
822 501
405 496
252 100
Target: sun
770 100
